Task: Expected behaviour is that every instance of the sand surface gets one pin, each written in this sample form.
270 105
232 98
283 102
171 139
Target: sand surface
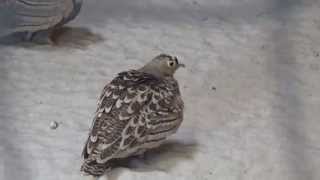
251 89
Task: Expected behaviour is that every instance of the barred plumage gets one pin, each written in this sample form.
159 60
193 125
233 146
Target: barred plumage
33 16
136 112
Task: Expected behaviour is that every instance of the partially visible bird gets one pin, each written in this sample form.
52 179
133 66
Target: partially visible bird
137 111
36 19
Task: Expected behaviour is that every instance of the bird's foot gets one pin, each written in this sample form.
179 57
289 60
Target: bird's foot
42 38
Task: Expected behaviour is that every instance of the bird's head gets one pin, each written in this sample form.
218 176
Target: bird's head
162 65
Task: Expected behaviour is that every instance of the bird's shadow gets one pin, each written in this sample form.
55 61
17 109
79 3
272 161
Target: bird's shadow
163 158
75 37
64 37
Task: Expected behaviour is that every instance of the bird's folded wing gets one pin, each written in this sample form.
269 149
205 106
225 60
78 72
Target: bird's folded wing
165 112
119 124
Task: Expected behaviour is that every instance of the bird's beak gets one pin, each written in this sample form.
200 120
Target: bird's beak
181 65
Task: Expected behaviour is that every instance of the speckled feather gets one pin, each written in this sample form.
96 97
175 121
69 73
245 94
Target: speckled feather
136 111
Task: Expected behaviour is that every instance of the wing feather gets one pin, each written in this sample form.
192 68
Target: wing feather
165 110
135 109
118 123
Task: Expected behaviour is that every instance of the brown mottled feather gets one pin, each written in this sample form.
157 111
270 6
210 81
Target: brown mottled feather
135 109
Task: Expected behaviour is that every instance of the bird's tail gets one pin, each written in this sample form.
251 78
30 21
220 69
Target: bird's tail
91 167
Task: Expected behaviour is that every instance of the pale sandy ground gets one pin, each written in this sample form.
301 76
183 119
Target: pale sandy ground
261 122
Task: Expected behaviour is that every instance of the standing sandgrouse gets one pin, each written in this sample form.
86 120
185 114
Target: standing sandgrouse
136 112
36 19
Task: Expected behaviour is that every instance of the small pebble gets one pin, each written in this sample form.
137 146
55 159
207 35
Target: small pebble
205 19
213 88
54 125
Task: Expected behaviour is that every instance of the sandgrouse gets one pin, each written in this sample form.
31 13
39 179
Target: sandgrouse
136 111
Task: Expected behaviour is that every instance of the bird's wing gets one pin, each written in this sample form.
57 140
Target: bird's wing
32 15
118 123
165 110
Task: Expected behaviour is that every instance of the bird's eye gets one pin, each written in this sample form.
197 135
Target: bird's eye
171 63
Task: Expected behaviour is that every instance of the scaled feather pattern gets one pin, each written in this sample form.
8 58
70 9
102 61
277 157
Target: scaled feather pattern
136 111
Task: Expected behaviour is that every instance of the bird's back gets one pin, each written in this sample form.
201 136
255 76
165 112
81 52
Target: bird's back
136 111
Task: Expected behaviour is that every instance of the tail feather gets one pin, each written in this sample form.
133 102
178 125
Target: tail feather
91 167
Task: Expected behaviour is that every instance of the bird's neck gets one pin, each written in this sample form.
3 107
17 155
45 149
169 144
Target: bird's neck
154 72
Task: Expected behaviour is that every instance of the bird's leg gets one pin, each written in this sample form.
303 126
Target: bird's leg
28 36
42 37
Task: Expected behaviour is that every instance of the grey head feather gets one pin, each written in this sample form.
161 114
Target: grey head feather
162 65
